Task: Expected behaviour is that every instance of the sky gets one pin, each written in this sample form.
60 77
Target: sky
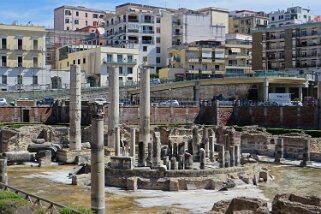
40 12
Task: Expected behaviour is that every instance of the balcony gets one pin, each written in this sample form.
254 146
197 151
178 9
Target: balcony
148 32
149 21
206 60
132 31
133 20
193 60
310 55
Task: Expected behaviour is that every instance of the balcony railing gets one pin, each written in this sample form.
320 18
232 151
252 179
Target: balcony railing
147 42
148 31
132 30
148 21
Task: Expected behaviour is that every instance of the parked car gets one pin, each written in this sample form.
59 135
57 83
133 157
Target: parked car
309 101
155 81
169 103
296 103
47 101
3 102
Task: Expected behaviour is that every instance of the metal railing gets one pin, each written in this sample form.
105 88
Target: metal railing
48 206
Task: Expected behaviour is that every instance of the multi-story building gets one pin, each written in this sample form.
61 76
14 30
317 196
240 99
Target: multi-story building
295 48
97 62
197 59
219 16
56 39
23 58
210 58
137 26
238 54
293 15
152 30
244 21
317 18
73 18
187 26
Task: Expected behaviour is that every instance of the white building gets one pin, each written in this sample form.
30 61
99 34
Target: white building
293 15
186 26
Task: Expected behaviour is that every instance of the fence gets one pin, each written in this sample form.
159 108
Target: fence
50 207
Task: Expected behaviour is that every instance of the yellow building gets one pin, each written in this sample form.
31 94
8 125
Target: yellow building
208 59
22 57
22 46
198 58
97 61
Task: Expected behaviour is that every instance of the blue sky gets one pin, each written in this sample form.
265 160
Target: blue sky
40 12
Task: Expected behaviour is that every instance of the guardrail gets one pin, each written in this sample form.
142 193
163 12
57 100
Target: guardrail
49 206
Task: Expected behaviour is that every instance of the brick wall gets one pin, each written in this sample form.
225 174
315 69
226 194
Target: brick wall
25 114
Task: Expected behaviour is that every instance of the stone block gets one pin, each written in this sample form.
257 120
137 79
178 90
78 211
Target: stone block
44 158
122 162
81 180
173 185
131 183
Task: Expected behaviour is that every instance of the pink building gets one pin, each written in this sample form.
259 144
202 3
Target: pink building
317 18
73 18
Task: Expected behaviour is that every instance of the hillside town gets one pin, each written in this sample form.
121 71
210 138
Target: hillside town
148 109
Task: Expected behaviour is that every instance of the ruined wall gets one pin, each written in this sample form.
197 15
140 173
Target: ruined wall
24 114
305 117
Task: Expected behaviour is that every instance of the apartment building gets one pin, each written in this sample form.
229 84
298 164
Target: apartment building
197 59
23 58
96 62
152 30
56 39
290 16
244 21
72 18
186 26
137 26
296 48
238 54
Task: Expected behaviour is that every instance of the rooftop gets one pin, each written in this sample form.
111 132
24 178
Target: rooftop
310 24
80 8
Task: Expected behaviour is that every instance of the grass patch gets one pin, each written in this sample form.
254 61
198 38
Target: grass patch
313 133
278 131
70 208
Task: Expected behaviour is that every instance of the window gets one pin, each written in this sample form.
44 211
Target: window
76 22
204 67
109 58
67 64
158 49
95 15
67 21
67 28
272 18
35 80
158 30
129 70
19 79
19 61
74 62
158 39
4 61
144 48
4 43
120 70
119 58
77 13
145 59
35 44
130 59
67 12
4 79
78 61
158 20
86 23
19 44
84 61
35 62
190 67
158 60
86 15
101 16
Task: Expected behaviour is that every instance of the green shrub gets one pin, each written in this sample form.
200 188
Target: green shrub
10 201
313 133
238 128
